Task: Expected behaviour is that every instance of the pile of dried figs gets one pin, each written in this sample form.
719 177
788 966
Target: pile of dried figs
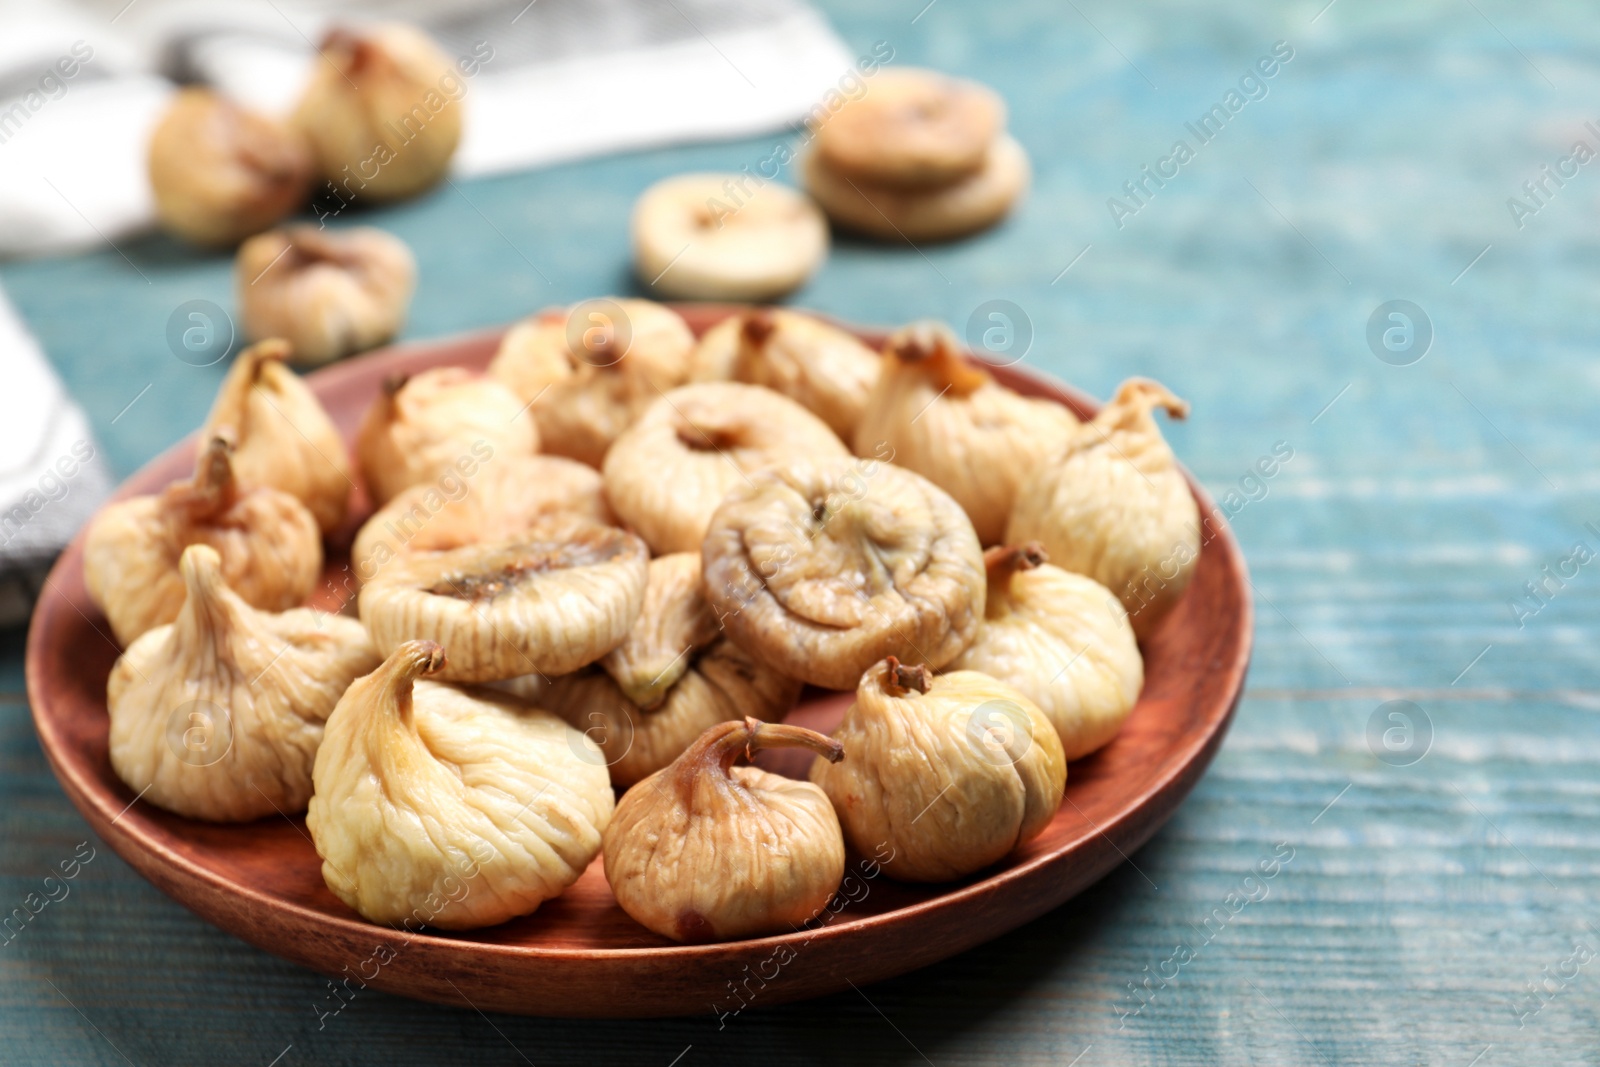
596 581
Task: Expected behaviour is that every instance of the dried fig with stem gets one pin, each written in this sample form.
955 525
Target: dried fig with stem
1063 641
422 425
218 714
947 419
667 472
282 436
706 851
588 371
1114 505
271 552
950 771
221 172
822 568
553 600
447 807
330 293
814 363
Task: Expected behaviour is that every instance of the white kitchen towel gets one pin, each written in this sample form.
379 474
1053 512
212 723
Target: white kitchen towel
563 79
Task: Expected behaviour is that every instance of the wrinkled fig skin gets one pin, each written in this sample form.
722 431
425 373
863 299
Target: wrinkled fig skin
220 172
447 807
549 602
501 498
269 544
821 569
584 392
817 365
1062 640
1113 505
329 293
949 421
428 426
218 715
675 624
951 771
705 851
283 438
668 472
360 111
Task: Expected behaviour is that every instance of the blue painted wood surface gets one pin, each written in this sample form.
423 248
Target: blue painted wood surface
1423 904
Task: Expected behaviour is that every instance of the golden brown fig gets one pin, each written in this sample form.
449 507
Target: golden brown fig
706 851
1063 641
1113 505
382 111
668 472
471 503
453 808
221 172
219 714
947 419
271 552
823 568
555 599
913 129
283 437
950 772
330 293
813 363
590 370
673 677
422 426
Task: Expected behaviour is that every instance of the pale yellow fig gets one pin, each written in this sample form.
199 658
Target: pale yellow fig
500 498
821 568
451 808
282 436
674 676
220 172
548 602
1114 505
668 472
943 416
588 371
218 714
814 363
382 111
1063 641
948 772
271 552
423 426
328 292
706 851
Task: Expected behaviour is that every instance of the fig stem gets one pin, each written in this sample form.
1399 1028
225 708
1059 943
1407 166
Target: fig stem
933 349
408 662
725 742
232 406
1002 561
1136 399
757 327
394 383
903 677
212 488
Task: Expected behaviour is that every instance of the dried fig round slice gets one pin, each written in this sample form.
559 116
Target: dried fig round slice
668 472
913 128
556 599
822 568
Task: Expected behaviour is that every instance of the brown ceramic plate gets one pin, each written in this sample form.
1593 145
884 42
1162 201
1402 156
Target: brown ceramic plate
580 954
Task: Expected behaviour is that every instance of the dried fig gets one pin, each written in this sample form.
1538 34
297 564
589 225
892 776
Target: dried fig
814 363
218 714
590 370
555 599
423 425
706 851
271 552
472 503
822 568
667 472
453 808
282 436
1114 505
950 772
948 420
1063 641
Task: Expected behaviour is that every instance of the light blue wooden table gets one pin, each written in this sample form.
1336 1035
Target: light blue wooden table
1425 901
